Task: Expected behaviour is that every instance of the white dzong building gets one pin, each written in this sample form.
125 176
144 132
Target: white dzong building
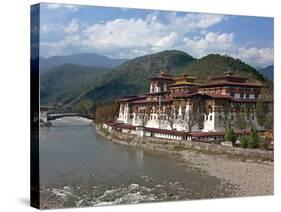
180 104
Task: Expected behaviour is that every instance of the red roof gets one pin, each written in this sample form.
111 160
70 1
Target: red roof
164 131
130 98
189 95
157 93
183 84
230 79
150 101
111 123
227 83
126 126
205 134
218 96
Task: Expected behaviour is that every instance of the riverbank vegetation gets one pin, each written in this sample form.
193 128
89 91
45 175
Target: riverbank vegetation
106 112
99 112
254 140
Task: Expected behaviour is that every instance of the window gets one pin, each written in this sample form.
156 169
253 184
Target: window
232 117
211 117
206 117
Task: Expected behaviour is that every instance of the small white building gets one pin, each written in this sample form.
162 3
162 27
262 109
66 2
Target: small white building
43 116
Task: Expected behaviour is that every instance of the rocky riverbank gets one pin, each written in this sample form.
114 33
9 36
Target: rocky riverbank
253 176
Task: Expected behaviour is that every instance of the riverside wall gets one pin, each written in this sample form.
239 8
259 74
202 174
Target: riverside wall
173 146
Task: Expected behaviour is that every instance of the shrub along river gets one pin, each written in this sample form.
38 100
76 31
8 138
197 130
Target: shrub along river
80 168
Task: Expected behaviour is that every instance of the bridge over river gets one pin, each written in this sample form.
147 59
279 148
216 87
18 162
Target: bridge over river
56 115
49 115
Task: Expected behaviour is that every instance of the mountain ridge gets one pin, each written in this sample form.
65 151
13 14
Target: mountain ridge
64 83
131 77
267 71
123 78
83 59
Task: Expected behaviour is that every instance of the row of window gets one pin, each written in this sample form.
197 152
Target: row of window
246 95
210 117
206 117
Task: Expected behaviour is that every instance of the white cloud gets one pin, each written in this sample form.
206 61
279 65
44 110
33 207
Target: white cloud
47 28
211 42
223 43
72 27
59 28
145 35
58 48
167 41
258 56
53 6
128 38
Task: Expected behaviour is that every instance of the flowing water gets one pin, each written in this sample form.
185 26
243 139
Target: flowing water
80 168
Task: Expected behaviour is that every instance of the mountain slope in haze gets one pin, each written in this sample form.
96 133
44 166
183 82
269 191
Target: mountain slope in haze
83 59
66 83
215 65
267 71
131 77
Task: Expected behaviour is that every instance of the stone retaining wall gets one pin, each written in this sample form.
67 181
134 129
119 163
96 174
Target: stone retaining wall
161 144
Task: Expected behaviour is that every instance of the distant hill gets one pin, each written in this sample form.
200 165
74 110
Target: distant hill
83 59
215 64
267 71
131 77
69 82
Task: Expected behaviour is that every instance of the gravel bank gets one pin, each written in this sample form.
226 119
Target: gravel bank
252 178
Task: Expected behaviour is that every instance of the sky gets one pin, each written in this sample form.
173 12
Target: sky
129 33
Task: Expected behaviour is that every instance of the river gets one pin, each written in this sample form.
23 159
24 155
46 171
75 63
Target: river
80 168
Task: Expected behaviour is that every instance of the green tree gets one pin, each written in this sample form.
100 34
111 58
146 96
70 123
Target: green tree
244 142
248 112
84 107
106 112
268 124
265 143
230 136
260 113
240 122
254 139
226 118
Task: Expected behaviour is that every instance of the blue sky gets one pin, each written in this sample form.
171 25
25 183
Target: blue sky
129 33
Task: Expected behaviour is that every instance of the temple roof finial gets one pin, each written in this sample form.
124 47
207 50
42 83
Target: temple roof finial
229 73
